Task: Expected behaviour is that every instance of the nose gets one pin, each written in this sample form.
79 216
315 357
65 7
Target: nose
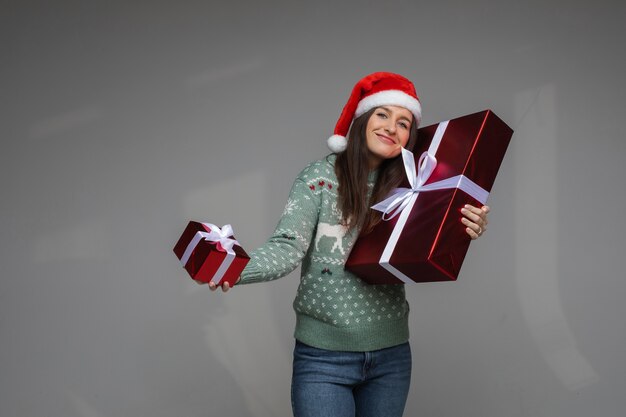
391 126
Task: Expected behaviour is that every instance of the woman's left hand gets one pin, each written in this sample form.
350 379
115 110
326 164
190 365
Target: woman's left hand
475 220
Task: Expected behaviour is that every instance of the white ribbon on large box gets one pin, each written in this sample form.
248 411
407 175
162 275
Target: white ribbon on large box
401 200
224 243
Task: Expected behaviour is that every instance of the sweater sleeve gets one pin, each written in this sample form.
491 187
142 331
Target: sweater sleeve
289 243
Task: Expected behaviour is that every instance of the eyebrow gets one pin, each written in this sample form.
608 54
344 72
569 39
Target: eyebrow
388 110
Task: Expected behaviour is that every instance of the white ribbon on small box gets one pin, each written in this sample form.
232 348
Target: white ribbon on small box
224 243
401 200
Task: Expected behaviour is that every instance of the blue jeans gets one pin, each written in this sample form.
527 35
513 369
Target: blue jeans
348 384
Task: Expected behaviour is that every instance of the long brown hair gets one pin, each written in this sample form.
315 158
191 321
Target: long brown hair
352 170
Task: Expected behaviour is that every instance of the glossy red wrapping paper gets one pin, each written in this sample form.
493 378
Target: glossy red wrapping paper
206 258
433 242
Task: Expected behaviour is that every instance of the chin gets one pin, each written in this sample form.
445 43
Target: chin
385 151
393 154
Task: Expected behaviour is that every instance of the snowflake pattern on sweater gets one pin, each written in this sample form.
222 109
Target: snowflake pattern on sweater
335 309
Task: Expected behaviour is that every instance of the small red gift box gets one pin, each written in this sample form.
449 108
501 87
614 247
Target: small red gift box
211 254
455 163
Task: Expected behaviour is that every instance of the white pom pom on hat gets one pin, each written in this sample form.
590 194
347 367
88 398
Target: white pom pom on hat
337 143
374 90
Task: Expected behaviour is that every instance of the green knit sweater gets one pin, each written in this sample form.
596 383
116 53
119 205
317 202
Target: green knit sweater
335 309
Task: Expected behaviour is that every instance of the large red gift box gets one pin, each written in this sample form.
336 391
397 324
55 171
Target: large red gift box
210 253
426 240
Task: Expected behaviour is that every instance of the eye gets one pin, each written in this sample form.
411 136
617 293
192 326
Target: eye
404 125
382 115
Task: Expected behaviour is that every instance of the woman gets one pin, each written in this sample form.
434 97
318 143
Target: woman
352 356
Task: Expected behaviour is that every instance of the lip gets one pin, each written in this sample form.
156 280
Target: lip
385 139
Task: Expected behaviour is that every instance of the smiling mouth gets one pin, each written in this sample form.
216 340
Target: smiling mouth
386 139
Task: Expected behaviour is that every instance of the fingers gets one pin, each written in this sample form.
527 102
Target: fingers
472 234
475 219
473 230
486 210
213 286
473 213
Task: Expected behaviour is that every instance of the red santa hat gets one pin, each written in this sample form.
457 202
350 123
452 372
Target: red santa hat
375 90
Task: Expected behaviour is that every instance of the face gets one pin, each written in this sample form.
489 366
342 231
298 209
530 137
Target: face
387 131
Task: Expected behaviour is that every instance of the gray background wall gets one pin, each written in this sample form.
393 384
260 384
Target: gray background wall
123 120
